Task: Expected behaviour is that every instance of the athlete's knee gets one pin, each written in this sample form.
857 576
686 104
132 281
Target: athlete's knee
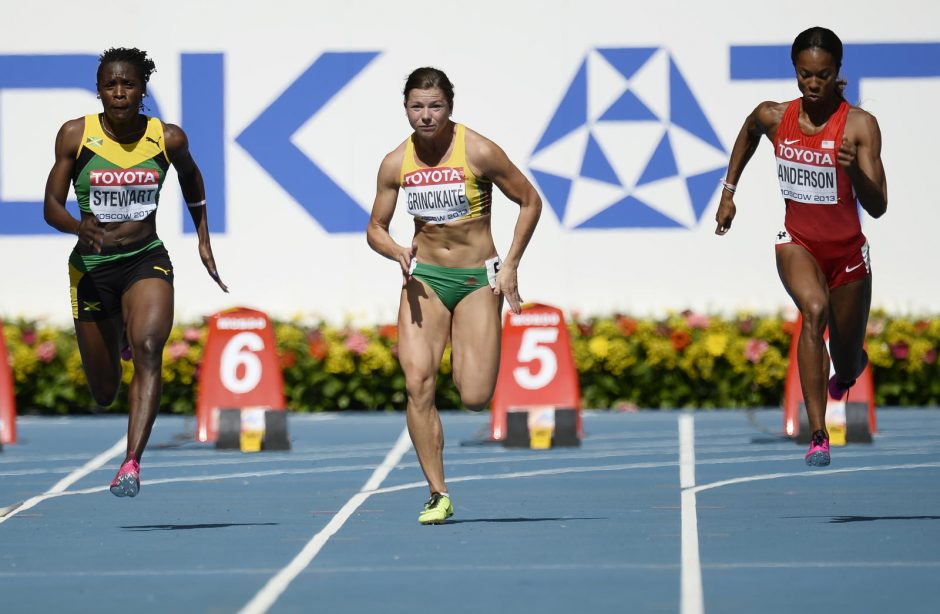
815 314
476 400
420 385
148 352
104 393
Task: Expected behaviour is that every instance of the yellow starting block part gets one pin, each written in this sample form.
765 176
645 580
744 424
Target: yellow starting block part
836 435
250 441
540 438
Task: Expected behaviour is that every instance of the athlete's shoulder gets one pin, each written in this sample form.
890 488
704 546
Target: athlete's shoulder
70 134
771 111
480 149
860 115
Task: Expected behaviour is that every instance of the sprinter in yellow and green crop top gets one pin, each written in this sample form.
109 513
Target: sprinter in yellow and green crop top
454 281
120 273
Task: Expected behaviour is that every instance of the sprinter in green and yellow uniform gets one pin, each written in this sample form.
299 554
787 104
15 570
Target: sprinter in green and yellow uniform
454 280
120 273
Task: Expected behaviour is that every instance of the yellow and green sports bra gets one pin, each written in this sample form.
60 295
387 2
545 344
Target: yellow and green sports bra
120 182
446 192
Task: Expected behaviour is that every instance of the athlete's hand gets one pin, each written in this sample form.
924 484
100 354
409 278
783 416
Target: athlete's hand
848 154
726 211
507 285
405 256
205 252
91 233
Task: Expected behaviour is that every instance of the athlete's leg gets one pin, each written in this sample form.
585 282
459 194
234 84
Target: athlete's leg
148 315
423 325
98 346
475 344
849 305
806 285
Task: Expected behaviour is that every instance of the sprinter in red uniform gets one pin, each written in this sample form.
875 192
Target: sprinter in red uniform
828 162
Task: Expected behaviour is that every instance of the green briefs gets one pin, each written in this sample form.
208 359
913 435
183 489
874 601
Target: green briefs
449 283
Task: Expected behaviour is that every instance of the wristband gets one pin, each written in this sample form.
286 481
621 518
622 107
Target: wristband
731 187
201 203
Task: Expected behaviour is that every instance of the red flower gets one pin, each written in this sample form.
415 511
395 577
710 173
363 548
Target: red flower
789 327
627 325
288 359
389 331
357 343
680 340
586 329
28 336
900 350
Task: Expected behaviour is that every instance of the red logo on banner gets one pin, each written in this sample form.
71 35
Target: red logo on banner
239 368
862 392
7 400
536 366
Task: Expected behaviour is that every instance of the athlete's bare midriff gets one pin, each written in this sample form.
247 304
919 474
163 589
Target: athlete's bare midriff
463 243
117 234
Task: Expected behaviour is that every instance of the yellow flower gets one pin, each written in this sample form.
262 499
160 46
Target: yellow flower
339 359
446 366
716 343
620 357
599 346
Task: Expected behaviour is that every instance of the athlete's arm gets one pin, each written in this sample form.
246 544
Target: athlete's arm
762 119
67 142
194 192
494 164
383 208
860 156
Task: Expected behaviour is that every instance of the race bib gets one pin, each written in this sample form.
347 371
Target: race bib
437 195
807 175
123 195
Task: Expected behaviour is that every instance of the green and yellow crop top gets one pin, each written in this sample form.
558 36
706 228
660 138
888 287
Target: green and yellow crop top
120 182
446 192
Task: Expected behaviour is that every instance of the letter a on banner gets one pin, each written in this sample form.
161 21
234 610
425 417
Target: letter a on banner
7 399
239 368
536 366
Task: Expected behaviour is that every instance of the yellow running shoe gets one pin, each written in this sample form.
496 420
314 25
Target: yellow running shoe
436 510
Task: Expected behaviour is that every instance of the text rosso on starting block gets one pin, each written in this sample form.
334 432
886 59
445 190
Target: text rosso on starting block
536 365
7 399
239 368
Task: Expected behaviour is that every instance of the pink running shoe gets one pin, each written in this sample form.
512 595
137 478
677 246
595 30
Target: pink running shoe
127 481
818 455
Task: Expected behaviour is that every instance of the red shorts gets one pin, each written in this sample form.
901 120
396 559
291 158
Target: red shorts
841 263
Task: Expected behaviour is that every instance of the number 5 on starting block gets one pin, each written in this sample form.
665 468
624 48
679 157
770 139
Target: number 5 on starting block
536 367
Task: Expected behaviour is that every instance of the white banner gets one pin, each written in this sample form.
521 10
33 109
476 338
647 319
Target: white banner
621 113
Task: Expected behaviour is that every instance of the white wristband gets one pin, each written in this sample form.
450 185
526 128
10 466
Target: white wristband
729 186
201 203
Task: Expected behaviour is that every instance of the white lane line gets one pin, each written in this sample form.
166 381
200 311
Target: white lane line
60 486
808 474
691 599
279 583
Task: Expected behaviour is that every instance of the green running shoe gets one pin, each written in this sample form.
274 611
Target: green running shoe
436 510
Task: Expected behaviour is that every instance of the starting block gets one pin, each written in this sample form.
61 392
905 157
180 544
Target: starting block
7 397
252 430
846 423
541 428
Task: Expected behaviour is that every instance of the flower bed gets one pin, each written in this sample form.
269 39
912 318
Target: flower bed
684 360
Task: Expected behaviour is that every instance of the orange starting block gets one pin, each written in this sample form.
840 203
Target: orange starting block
537 401
7 397
240 385
847 422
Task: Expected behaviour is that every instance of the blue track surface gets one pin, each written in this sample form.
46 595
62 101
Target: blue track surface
605 527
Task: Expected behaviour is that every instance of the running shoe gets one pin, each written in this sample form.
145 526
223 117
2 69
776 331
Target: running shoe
436 510
818 455
127 481
126 353
838 389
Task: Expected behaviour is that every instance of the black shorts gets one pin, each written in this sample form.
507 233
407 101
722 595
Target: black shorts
98 281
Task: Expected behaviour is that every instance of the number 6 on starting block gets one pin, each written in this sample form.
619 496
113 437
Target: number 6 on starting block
239 368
